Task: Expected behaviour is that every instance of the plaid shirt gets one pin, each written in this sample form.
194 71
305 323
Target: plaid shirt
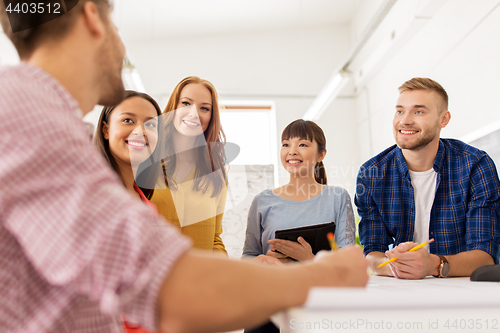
76 249
466 209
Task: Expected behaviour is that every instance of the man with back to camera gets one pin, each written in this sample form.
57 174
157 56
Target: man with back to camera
76 249
426 187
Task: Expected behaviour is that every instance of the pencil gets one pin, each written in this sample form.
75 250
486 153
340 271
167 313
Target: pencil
415 248
331 239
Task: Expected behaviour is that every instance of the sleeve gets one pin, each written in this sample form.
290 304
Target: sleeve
253 236
483 218
373 234
75 222
345 233
218 244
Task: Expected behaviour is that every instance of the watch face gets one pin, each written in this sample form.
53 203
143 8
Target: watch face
445 270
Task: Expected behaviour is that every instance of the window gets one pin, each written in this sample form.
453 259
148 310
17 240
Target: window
252 126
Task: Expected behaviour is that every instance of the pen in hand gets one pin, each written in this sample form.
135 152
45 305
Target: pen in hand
415 248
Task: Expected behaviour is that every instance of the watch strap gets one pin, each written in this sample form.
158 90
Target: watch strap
444 262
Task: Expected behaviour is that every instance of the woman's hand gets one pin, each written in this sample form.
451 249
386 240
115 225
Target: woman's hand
279 256
300 251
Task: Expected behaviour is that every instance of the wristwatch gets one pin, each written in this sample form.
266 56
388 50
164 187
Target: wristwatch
444 267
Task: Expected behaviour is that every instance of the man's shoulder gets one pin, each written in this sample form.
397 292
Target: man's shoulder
27 90
11 77
20 73
458 149
375 167
19 84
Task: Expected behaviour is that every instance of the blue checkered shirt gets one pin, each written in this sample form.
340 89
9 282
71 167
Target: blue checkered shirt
466 209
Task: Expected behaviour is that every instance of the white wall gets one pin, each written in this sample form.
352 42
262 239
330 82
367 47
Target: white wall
342 160
8 54
286 62
459 48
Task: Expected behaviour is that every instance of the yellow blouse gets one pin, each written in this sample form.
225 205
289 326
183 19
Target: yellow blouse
196 214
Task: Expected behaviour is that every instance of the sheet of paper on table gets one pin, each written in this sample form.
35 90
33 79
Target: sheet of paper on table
387 293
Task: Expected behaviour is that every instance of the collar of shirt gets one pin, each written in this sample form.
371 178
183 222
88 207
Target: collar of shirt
403 167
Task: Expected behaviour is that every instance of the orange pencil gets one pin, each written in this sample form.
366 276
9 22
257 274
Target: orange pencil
331 239
415 248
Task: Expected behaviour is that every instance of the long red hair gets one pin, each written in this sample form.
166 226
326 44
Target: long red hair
210 157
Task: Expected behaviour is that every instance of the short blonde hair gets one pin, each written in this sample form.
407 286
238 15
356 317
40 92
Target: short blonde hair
423 83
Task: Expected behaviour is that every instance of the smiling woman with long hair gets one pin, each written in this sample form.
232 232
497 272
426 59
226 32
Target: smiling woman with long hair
127 136
192 192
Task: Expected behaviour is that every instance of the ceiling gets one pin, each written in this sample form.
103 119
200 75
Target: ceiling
157 19
154 19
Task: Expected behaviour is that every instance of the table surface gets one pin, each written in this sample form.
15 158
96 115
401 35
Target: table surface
389 304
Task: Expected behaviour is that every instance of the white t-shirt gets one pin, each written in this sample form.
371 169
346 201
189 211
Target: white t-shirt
424 189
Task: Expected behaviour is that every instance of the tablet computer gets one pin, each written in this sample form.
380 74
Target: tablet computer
315 235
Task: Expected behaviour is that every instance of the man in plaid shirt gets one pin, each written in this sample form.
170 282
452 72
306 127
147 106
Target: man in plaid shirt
428 188
76 249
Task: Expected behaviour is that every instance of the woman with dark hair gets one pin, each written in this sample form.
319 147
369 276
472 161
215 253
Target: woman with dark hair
127 136
192 192
306 200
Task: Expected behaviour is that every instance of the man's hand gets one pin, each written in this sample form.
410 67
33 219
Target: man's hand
347 267
300 250
268 260
412 265
220 304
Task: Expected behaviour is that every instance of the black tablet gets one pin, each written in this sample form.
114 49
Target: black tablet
315 235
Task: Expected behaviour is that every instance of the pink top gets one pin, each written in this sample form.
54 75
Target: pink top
76 249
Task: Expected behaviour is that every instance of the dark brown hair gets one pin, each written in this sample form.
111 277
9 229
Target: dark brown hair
210 157
149 170
311 131
423 83
26 41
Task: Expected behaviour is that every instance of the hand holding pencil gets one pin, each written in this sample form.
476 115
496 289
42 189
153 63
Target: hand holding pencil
412 249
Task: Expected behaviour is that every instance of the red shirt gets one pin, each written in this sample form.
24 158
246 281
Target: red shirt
131 327
145 200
